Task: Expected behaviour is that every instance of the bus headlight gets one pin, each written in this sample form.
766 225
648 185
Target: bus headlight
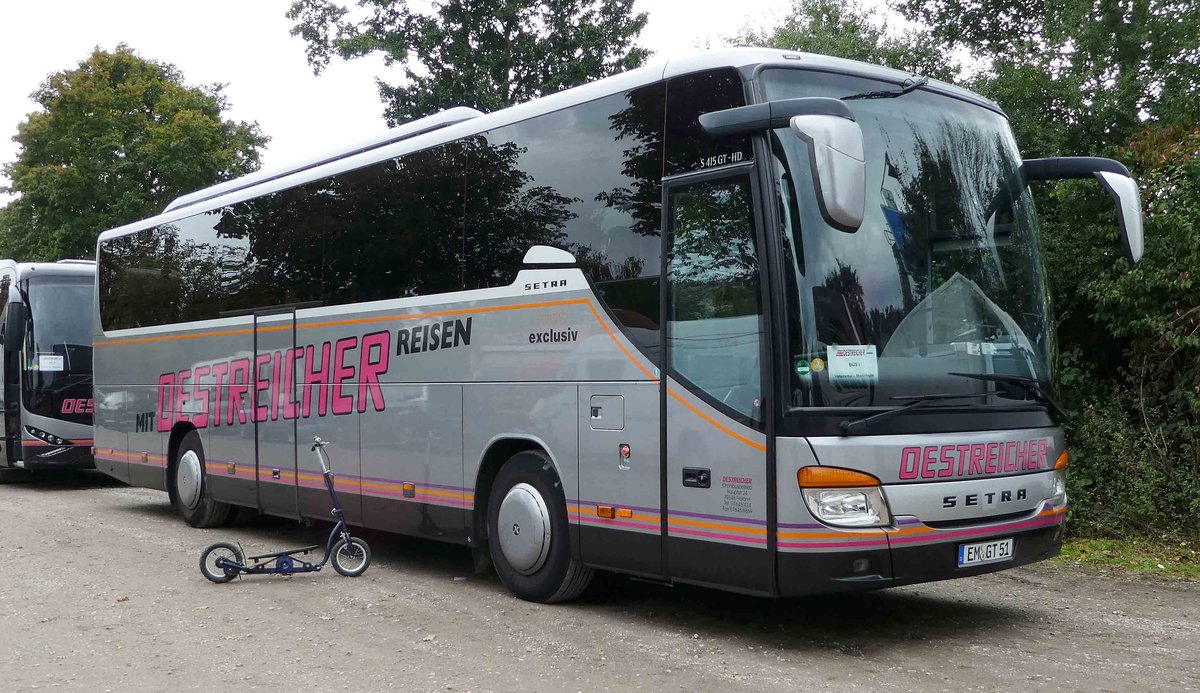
46 437
1059 482
1059 486
843 497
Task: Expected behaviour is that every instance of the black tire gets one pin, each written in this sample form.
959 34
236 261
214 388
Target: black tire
206 512
221 549
560 577
359 557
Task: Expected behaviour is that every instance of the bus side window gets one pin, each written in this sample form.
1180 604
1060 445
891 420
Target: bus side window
714 327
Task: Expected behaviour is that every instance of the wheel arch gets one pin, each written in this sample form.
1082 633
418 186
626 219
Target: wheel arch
174 439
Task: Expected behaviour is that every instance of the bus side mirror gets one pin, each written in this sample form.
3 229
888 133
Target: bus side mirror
1114 177
839 167
835 141
14 326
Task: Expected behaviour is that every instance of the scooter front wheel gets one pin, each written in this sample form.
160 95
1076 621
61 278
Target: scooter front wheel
220 573
352 558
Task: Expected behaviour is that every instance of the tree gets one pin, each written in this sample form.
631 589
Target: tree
489 55
1090 70
843 28
117 138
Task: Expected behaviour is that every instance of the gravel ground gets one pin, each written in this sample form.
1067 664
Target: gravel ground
100 591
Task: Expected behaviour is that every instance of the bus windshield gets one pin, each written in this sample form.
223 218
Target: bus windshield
58 347
943 281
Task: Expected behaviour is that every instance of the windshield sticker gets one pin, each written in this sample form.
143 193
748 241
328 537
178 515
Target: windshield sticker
818 365
51 363
853 365
803 368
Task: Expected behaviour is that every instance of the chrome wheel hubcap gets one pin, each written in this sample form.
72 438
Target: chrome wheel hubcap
524 529
187 479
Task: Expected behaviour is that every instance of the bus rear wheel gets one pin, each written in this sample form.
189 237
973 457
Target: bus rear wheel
187 488
529 534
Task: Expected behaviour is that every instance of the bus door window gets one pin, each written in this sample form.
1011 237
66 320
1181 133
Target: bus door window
715 328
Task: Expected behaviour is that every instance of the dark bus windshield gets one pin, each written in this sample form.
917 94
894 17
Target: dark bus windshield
944 276
58 346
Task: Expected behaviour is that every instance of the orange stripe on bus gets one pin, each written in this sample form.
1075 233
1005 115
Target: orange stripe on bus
716 424
620 346
716 525
351 321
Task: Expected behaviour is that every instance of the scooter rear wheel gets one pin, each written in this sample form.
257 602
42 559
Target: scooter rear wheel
208 562
351 559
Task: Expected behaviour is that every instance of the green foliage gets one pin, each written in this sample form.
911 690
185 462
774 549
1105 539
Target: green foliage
486 55
843 28
117 138
1132 343
1170 559
1091 69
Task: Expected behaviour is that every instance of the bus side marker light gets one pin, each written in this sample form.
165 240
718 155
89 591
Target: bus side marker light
231 468
624 512
605 511
409 490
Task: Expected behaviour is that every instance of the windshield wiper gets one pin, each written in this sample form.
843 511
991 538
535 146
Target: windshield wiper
909 85
1031 386
914 402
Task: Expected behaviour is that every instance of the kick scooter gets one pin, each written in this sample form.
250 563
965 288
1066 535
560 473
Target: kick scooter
351 556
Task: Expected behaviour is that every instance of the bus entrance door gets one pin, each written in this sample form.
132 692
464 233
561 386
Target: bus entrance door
273 394
10 375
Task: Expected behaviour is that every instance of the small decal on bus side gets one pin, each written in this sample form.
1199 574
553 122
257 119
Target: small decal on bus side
552 284
77 406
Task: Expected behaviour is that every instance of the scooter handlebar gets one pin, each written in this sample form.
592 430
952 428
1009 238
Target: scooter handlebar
318 447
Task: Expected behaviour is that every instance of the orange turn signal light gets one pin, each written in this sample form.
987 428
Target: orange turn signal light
1061 462
624 512
833 477
605 511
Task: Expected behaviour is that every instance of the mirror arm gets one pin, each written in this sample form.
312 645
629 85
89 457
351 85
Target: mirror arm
771 115
1067 167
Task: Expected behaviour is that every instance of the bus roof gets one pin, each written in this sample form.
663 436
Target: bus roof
62 268
457 123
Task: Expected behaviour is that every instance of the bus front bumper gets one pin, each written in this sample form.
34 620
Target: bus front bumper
57 457
905 561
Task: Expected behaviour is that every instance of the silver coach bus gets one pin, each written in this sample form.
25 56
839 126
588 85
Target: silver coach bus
770 322
46 333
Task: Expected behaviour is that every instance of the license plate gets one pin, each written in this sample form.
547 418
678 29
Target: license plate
993 551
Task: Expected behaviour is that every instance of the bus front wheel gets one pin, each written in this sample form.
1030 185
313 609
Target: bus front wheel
187 488
529 534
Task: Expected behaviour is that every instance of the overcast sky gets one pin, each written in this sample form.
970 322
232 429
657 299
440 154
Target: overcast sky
246 45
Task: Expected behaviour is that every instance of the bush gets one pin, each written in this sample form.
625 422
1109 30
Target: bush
1130 360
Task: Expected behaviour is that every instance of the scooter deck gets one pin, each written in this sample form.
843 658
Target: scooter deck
289 552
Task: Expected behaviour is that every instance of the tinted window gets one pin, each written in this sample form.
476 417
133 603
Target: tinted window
714 326
453 217
688 148
586 179
394 229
